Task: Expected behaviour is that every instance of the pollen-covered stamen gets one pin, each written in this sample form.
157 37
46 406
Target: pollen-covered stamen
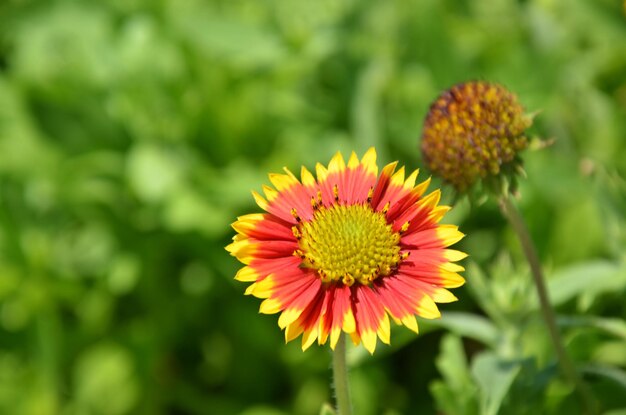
349 244
386 208
348 280
294 213
404 228
314 203
402 257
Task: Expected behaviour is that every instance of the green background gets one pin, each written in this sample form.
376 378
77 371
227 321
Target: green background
131 134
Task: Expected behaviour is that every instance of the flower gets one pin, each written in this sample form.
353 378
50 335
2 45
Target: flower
472 131
346 250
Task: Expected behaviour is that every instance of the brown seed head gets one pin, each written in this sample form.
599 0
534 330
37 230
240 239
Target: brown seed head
471 131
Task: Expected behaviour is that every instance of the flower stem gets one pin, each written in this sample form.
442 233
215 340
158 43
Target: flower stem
567 366
340 378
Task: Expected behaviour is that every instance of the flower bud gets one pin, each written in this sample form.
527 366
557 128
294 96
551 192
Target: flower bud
473 131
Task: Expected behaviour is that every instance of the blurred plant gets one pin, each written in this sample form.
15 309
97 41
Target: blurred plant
343 252
131 131
472 134
502 378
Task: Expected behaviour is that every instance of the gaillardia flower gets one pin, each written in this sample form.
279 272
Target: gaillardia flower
346 250
474 131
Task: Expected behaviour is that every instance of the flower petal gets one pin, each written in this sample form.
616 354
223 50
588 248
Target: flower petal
246 250
337 314
369 314
438 237
431 275
381 186
417 292
263 227
337 164
369 162
262 267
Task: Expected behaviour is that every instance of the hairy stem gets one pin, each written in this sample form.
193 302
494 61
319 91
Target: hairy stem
340 378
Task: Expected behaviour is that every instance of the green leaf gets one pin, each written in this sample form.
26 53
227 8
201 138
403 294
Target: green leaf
452 362
613 326
494 377
464 324
479 286
468 325
612 352
591 277
456 394
613 373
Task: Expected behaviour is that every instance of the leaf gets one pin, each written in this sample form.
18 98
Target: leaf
464 324
456 394
595 277
613 326
482 289
610 372
494 378
452 362
610 353
468 325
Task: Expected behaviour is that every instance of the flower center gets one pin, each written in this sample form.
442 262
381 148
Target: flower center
349 244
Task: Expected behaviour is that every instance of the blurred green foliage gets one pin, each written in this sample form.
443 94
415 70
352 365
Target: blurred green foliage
131 132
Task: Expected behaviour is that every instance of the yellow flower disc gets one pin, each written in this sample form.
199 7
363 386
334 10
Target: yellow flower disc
349 244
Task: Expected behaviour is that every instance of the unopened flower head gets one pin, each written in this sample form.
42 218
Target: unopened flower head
473 131
346 250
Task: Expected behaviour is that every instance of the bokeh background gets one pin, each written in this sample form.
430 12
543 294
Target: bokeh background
131 134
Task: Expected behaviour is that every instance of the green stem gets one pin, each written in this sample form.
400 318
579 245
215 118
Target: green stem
340 378
567 366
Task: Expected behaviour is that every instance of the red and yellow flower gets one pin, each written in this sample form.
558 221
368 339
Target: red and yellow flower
346 250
